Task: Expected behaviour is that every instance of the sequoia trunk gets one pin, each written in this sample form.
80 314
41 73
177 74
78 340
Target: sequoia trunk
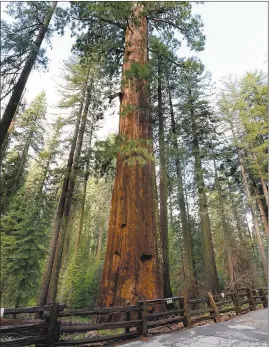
131 262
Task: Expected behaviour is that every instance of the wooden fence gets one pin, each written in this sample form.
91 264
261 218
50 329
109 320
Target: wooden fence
133 320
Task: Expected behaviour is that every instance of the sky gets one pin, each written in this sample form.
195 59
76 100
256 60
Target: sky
236 42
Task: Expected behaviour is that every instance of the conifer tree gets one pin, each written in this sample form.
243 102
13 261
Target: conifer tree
34 16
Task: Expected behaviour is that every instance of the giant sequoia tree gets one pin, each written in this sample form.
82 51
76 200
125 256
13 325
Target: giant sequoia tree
131 258
131 264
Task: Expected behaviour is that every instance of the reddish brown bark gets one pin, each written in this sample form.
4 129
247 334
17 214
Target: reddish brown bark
131 262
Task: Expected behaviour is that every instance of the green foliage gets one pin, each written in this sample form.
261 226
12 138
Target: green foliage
24 237
136 152
244 106
27 139
33 169
17 37
137 72
99 27
105 153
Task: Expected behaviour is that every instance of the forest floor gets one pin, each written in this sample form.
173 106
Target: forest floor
246 330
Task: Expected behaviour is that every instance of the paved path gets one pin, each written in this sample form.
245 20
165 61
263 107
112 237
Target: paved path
247 330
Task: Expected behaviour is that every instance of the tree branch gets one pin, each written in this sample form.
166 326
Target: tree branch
121 26
169 59
167 22
113 96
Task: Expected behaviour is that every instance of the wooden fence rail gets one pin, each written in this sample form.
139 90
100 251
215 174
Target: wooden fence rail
134 320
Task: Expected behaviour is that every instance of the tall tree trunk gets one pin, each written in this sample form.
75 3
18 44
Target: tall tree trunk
208 248
227 233
100 239
83 199
68 201
235 214
250 204
59 214
163 189
254 217
159 243
20 85
251 240
261 208
190 283
264 186
131 262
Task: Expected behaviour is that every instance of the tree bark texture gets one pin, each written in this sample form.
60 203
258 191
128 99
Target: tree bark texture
21 83
131 261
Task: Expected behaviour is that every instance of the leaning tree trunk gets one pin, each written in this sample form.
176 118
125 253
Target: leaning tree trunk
83 198
131 261
212 281
190 283
52 293
163 190
20 85
59 214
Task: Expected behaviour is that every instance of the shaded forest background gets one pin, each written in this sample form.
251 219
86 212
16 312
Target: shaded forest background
209 150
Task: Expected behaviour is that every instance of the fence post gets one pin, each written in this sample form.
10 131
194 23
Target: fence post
52 330
127 316
145 318
188 322
251 299
263 297
214 306
237 302
139 317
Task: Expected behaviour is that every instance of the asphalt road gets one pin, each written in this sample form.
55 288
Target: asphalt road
247 330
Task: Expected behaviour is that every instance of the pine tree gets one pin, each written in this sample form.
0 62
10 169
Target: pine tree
27 139
22 53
